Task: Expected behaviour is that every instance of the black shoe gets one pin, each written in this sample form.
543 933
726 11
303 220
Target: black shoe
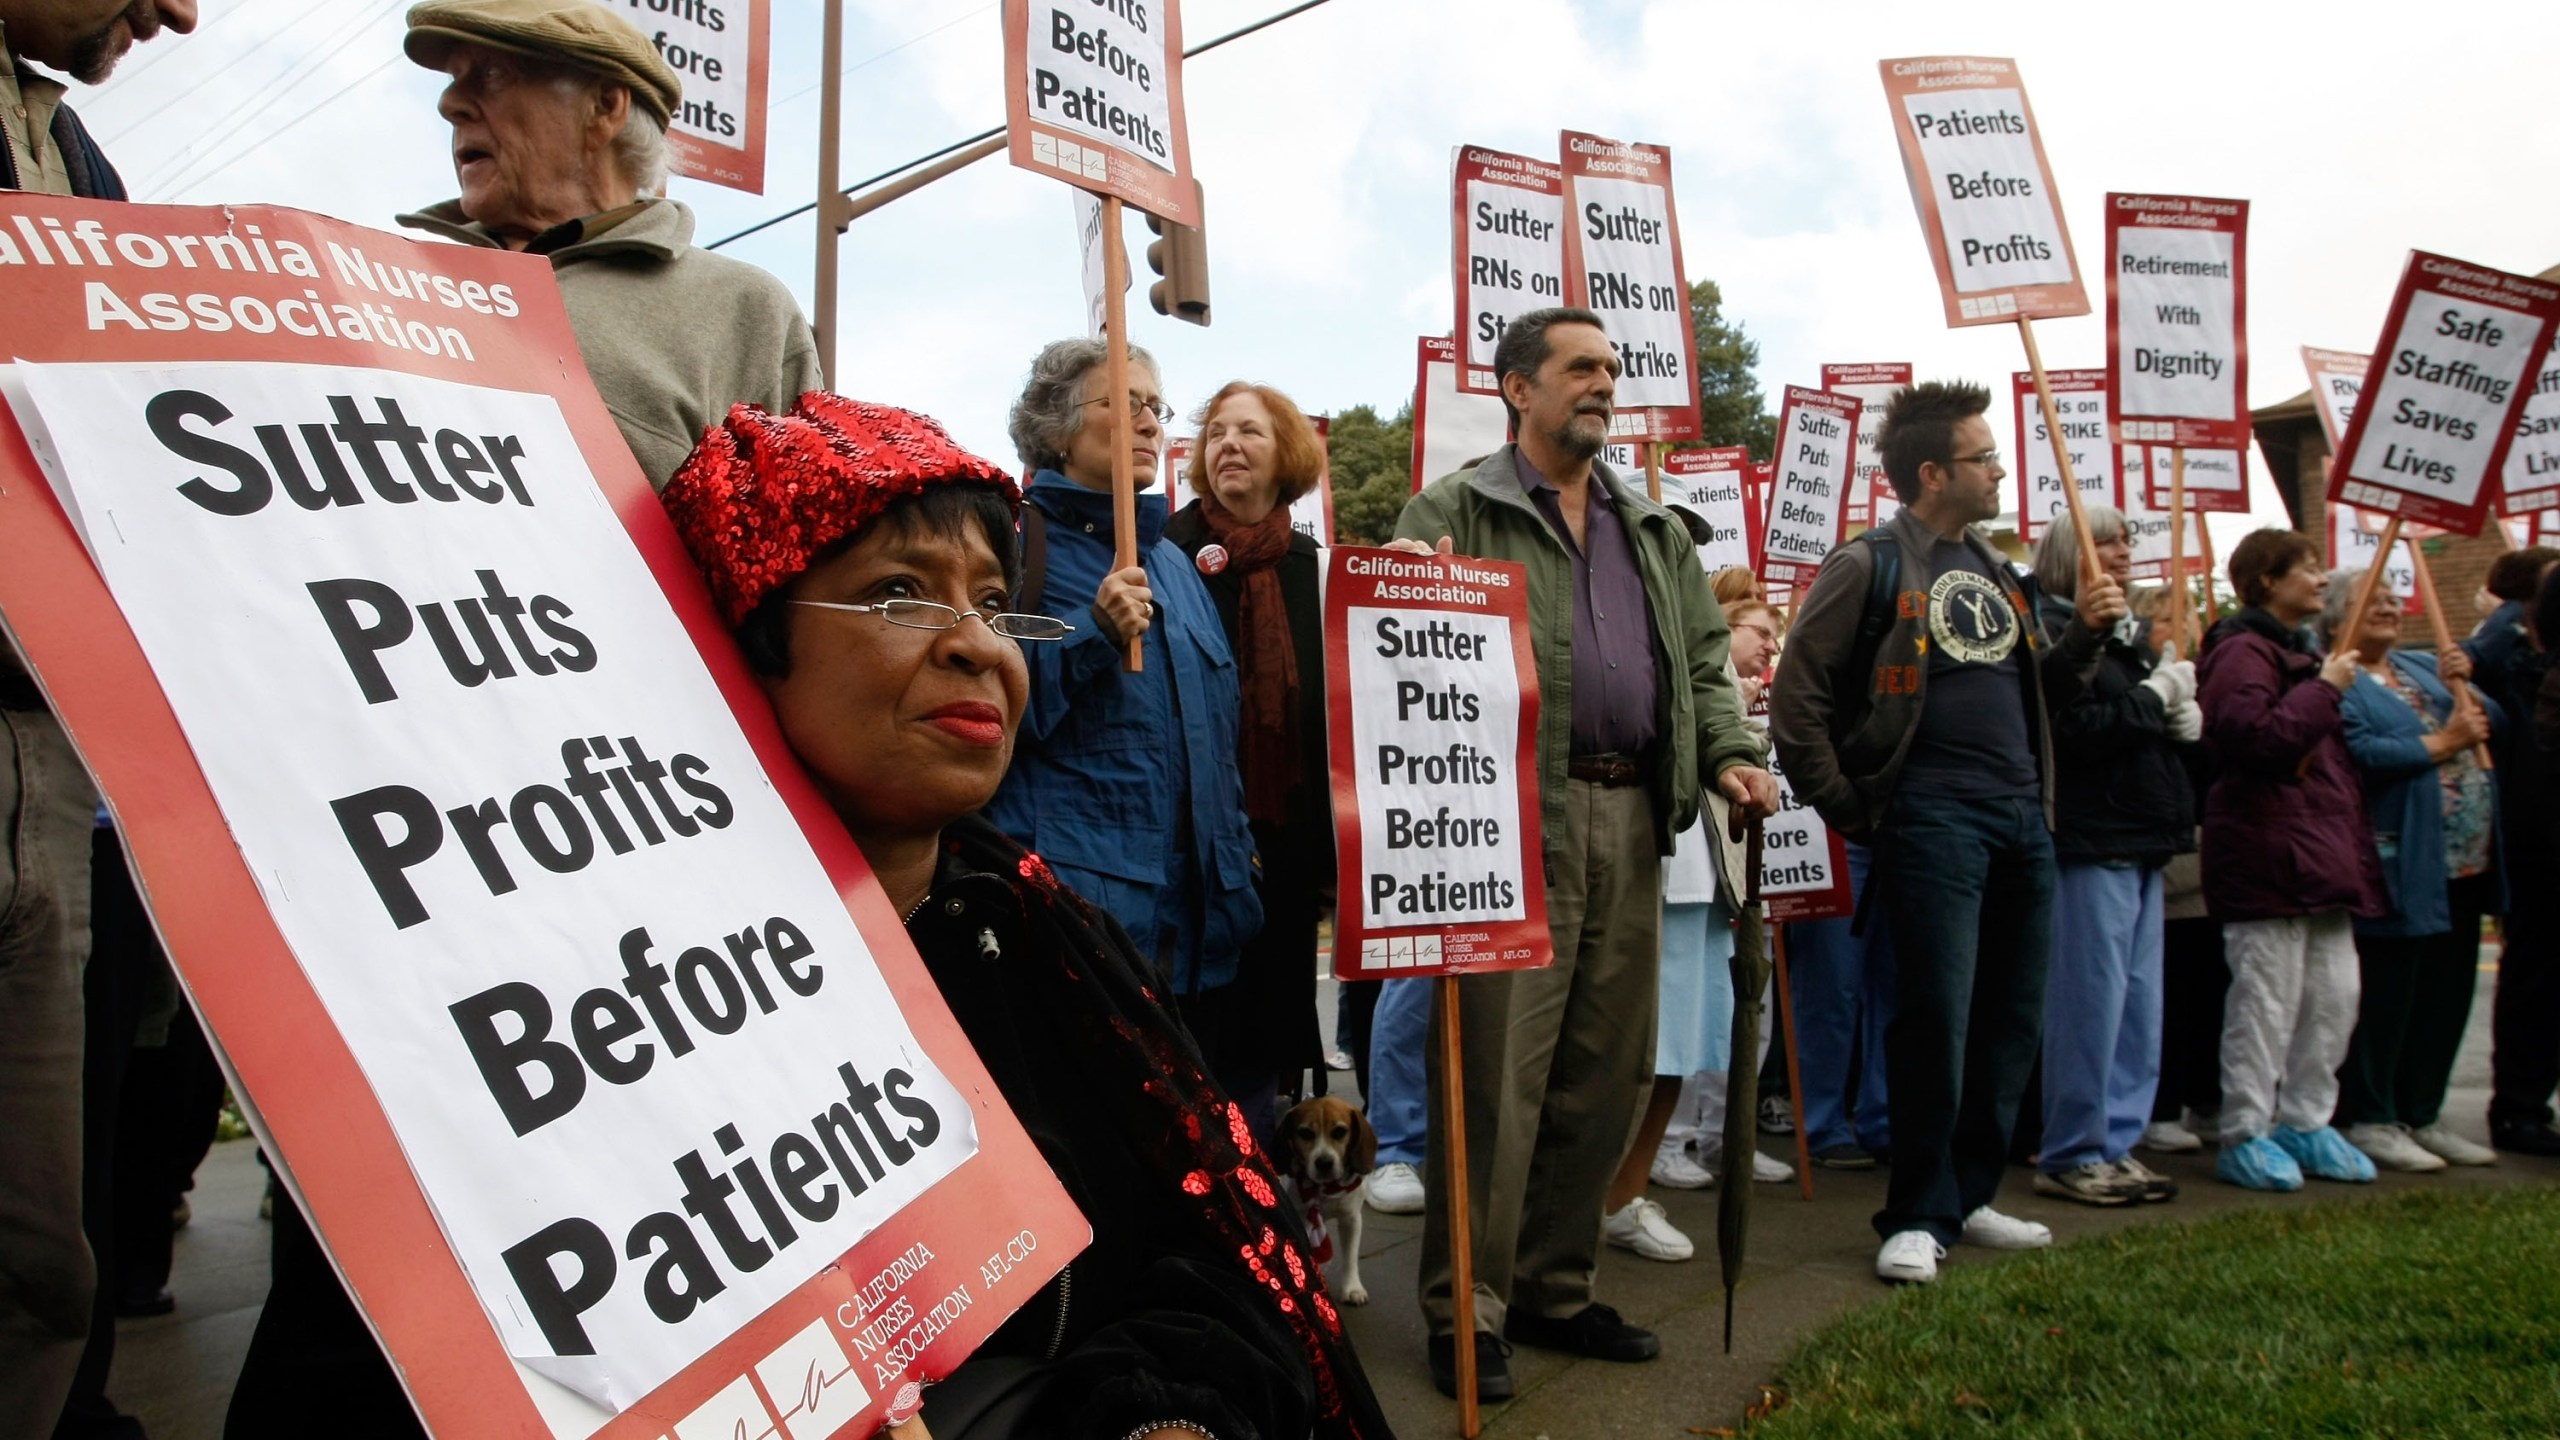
1493 1367
1594 1330
2526 1138
135 1307
1844 1157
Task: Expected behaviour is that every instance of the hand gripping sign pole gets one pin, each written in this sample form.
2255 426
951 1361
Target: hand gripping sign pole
1118 412
2464 701
2178 548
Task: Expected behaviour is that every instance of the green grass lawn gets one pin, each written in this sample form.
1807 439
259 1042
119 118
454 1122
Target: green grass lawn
2423 1315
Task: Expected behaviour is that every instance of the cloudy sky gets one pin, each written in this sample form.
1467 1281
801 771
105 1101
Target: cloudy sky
1324 145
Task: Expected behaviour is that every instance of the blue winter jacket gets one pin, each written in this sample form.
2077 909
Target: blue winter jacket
2406 798
1113 772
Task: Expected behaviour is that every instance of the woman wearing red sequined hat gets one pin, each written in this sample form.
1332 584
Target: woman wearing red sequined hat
864 563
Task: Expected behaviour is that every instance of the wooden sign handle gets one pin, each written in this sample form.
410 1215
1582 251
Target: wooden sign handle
1653 471
1738 1172
2177 546
1115 369
2463 699
1462 1250
2061 452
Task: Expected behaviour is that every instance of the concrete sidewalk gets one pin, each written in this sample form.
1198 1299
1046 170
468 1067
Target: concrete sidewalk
1809 1262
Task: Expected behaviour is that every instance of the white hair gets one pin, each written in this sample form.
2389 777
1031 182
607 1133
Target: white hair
639 148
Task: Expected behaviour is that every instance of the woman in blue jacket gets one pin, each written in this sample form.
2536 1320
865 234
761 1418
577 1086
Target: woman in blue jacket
1126 782
2435 819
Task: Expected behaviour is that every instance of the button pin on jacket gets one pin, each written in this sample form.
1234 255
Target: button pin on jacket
1211 559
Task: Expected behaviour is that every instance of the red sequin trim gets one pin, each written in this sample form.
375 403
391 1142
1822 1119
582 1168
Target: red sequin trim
1257 1187
1196 1183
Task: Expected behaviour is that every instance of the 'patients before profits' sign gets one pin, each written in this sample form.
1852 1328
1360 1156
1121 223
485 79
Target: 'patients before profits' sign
1622 260
1984 191
604 1081
720 51
1434 709
1093 96
1817 452
1710 482
2177 305
1507 242
2459 356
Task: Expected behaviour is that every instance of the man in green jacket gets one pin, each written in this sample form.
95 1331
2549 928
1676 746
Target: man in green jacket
1636 715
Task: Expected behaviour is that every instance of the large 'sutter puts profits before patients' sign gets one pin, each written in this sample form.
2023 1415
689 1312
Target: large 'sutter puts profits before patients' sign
1093 96
594 1050
1433 707
1711 482
1506 247
2177 320
721 51
1874 385
2080 399
1809 483
1622 260
1984 191
1450 426
1804 864
2459 356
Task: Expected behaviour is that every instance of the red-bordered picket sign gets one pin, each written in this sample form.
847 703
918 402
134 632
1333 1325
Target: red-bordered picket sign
1714 482
2146 515
2531 480
2337 380
1622 260
1450 426
1093 96
2354 538
1432 693
2080 398
2217 481
1873 384
1983 188
1506 250
368 548
2177 322
1804 863
2460 353
717 132
1809 486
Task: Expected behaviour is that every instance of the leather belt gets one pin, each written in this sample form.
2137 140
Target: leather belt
1607 771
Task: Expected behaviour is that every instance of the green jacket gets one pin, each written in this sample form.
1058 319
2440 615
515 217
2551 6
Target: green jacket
1485 514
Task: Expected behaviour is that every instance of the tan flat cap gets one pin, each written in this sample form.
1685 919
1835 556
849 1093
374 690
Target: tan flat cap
571 32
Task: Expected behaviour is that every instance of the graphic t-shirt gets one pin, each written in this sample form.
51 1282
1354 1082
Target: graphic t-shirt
1972 739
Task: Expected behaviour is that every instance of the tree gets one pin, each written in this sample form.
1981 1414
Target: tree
1730 408
1372 473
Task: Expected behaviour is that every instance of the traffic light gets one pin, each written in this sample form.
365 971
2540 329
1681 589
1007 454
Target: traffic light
1180 254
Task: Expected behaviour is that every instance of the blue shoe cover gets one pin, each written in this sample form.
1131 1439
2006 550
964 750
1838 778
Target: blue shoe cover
2325 1153
2258 1165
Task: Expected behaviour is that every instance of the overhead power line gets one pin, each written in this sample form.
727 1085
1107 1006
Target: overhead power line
985 135
216 73
197 153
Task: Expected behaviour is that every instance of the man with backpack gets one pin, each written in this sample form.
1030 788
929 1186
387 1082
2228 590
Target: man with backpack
1912 714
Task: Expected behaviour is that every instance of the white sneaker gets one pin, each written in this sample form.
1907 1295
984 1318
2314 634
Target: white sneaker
2207 1128
2390 1147
1674 1170
1909 1257
1395 1189
1642 1227
2439 1139
1770 1172
1992 1230
2168 1137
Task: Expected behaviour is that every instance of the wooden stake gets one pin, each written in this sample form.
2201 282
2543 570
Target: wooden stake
1124 483
2212 606
2061 452
2177 547
1653 471
2372 577
1795 1071
2463 699
1462 1250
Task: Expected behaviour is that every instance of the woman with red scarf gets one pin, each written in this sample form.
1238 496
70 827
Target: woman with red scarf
1256 454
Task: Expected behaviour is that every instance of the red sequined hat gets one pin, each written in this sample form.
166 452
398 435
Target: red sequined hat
763 494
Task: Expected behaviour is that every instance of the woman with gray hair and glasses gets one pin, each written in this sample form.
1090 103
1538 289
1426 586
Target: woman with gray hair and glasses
1126 783
2434 809
2123 805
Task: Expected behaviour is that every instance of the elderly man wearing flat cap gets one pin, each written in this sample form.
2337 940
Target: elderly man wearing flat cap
559 111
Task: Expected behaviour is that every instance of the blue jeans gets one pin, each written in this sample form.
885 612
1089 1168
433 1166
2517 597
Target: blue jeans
2101 1013
1842 986
1967 889
1399 1098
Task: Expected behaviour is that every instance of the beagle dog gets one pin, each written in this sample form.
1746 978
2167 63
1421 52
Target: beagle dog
1331 1150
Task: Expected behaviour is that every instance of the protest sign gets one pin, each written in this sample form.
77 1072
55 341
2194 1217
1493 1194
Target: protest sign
2177 321
1804 863
2217 481
1097 263
2080 398
1450 427
1816 451
2355 537
1506 246
1311 514
1983 189
2465 345
1093 96
1434 710
717 132
2532 478
2337 378
2157 551
1622 260
474 841
1873 385
1710 482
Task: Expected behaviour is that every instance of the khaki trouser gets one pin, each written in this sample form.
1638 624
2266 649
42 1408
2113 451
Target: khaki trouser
46 1276
1559 1063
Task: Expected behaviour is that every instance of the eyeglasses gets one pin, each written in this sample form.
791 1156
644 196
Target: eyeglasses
1988 459
928 615
1139 405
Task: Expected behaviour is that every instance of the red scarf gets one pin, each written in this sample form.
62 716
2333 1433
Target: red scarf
1266 663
